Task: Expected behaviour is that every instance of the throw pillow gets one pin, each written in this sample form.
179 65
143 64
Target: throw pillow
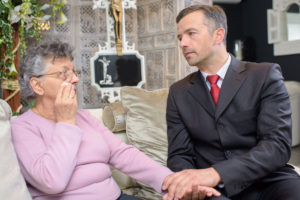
146 126
12 184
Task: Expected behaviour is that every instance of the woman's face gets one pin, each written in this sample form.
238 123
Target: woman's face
61 70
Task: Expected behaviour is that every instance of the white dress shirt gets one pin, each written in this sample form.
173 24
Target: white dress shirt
221 73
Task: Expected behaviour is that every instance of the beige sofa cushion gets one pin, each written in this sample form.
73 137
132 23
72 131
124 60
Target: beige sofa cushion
12 184
96 112
146 126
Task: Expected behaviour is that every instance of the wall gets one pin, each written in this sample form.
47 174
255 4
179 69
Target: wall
249 19
151 27
157 40
85 30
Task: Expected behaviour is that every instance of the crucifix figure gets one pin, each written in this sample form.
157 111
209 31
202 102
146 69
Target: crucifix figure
107 80
116 11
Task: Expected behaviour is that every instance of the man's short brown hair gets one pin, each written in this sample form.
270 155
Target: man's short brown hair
214 14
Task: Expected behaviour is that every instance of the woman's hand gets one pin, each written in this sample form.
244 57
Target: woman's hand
65 106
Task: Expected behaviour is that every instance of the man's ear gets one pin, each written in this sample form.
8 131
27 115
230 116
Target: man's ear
219 35
36 86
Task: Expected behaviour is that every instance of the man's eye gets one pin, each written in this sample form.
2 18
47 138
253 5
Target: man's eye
191 33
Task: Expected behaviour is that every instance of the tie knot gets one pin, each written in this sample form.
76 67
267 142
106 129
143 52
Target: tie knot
213 79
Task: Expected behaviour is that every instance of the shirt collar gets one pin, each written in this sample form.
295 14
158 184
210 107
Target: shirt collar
222 71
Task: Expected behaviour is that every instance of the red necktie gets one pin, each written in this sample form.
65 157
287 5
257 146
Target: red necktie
214 89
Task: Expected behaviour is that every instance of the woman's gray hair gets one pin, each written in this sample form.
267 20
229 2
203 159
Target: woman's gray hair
34 64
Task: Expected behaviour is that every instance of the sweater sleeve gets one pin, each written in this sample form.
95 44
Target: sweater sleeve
46 163
129 160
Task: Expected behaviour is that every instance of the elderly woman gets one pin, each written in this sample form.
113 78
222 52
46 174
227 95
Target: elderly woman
65 153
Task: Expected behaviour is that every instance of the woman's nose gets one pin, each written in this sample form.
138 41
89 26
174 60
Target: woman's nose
75 78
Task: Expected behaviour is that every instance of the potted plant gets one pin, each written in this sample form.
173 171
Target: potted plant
27 18
20 19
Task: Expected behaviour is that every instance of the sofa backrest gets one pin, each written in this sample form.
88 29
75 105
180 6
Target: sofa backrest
12 184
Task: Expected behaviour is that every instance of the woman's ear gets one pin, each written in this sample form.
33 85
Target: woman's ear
36 86
219 35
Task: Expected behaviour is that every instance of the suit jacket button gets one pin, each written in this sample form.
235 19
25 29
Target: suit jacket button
220 125
227 154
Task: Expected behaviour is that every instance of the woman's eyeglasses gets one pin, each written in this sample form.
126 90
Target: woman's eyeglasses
67 74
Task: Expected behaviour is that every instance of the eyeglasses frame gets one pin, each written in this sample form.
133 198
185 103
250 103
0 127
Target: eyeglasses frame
75 72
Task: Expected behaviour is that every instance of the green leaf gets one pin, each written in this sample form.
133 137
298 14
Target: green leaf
13 73
31 104
10 87
15 113
62 18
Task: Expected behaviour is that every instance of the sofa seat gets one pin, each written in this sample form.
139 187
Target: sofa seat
292 87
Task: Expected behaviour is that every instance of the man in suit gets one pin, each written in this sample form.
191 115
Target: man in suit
229 124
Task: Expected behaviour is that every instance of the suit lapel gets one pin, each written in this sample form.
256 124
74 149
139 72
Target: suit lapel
200 93
231 83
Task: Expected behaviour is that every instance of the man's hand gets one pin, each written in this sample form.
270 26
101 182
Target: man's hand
181 183
195 193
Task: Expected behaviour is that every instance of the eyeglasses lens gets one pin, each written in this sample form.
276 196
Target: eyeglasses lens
70 74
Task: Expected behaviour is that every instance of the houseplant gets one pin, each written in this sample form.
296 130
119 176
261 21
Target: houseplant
27 18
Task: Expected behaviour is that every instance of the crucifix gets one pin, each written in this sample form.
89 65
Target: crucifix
116 63
115 11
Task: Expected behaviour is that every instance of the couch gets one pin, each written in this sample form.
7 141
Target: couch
139 119
293 88
142 113
12 184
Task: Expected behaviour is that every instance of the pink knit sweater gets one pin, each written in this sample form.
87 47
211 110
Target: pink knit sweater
71 162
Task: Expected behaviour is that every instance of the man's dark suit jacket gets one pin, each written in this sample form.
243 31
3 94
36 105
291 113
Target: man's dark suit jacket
246 137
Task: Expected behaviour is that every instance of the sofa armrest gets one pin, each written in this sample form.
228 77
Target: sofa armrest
12 184
293 88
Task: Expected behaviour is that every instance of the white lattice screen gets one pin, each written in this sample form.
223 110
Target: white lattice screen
151 27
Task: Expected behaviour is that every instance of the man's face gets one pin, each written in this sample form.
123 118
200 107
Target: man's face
196 42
